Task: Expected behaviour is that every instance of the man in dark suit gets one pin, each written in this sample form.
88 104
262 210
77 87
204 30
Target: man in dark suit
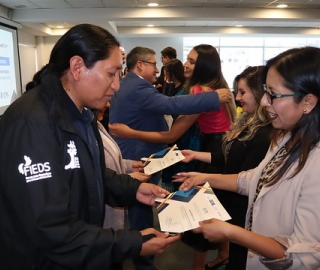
167 54
139 105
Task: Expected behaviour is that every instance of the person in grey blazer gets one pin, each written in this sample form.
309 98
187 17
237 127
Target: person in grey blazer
115 216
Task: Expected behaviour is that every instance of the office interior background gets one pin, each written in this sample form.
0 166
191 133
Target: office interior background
244 32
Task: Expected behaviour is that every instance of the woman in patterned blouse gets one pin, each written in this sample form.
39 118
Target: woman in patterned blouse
282 221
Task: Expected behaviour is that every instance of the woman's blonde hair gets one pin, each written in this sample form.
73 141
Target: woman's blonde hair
251 122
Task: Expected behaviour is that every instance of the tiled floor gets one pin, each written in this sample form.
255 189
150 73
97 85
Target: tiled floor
176 257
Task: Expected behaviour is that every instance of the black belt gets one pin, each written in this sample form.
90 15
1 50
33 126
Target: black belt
213 136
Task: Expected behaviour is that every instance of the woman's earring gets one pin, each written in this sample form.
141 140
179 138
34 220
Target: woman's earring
305 110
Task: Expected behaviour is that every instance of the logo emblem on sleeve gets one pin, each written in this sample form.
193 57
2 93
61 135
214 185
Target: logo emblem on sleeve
34 172
74 160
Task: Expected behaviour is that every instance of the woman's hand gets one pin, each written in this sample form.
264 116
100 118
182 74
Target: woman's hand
215 230
120 130
190 179
188 155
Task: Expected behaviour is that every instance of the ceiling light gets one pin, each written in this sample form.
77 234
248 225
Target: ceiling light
59 26
150 25
153 4
238 25
282 6
20 6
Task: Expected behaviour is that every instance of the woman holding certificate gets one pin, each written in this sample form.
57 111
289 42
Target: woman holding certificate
282 219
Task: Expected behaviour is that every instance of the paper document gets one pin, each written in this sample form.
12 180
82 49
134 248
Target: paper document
181 211
162 159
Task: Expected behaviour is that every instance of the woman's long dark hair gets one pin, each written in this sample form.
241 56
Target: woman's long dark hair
175 69
92 43
207 70
300 70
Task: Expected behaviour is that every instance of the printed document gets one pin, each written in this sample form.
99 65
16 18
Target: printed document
181 211
162 159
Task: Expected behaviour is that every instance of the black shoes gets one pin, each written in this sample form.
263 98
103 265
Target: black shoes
216 266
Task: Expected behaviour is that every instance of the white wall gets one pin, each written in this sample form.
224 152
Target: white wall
27 53
28 64
35 51
155 43
44 46
48 44
26 38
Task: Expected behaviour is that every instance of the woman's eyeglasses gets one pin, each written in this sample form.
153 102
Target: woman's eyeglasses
272 96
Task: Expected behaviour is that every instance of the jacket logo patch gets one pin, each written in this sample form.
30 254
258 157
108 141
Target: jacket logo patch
74 160
34 172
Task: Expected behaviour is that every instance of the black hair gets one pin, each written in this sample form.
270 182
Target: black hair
300 71
207 70
36 78
175 70
169 52
92 43
136 54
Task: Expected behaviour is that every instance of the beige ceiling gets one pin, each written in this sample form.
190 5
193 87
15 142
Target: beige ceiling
171 17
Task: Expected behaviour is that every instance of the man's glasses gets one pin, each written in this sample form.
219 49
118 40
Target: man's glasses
272 96
154 64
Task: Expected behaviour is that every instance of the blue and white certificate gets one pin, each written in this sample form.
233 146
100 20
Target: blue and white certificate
182 211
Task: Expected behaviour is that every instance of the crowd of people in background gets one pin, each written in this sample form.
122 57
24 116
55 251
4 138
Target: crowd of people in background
73 193
140 105
243 147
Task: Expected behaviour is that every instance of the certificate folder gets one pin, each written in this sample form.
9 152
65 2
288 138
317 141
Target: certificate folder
184 210
162 159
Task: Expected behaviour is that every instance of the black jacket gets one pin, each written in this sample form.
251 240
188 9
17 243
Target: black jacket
51 215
